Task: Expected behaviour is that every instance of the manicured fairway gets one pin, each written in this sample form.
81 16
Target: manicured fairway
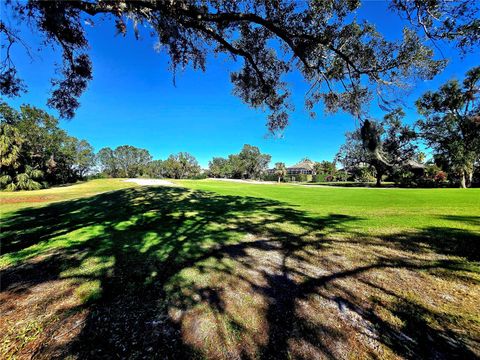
220 270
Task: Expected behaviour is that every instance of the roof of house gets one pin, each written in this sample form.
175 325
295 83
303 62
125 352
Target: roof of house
414 164
305 164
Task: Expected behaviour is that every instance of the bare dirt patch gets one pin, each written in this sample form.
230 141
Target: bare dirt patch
40 313
267 299
29 199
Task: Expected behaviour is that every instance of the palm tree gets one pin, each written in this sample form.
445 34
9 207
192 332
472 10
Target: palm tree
10 146
280 170
28 180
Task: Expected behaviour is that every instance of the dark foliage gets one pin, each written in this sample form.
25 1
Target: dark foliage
36 152
344 61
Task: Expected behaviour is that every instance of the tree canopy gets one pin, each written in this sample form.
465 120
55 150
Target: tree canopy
280 171
181 166
124 161
345 61
249 163
36 152
451 124
396 149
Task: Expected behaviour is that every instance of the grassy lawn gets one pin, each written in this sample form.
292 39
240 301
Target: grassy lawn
221 270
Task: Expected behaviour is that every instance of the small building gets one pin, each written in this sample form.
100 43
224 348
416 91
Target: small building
305 167
302 171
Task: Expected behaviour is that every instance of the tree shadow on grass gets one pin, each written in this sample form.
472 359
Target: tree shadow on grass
170 273
441 240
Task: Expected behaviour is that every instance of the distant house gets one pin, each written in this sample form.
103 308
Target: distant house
301 171
304 167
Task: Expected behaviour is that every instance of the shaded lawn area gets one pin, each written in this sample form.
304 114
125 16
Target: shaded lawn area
240 271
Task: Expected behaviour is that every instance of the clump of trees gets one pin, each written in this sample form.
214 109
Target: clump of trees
325 171
250 163
450 127
181 166
397 148
36 153
130 161
124 161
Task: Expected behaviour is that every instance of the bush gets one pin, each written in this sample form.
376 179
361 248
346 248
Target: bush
199 176
342 175
271 177
440 176
299 178
363 174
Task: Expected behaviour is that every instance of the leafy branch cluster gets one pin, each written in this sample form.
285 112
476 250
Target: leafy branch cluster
345 61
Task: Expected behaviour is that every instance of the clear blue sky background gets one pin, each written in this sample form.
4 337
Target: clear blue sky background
132 99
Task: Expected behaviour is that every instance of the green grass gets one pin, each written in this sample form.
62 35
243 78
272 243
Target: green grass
376 210
227 270
11 201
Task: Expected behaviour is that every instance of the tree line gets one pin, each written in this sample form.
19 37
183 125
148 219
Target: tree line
129 161
249 163
449 127
36 153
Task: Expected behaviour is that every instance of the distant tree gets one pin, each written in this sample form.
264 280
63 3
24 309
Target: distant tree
131 161
235 167
189 166
254 162
36 152
43 138
421 157
280 170
107 163
397 148
325 169
451 124
182 165
218 167
156 169
343 60
84 158
352 154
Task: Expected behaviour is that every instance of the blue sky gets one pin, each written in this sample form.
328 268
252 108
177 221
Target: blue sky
132 100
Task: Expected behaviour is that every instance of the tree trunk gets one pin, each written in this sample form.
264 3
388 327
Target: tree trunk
463 184
469 178
279 179
379 180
